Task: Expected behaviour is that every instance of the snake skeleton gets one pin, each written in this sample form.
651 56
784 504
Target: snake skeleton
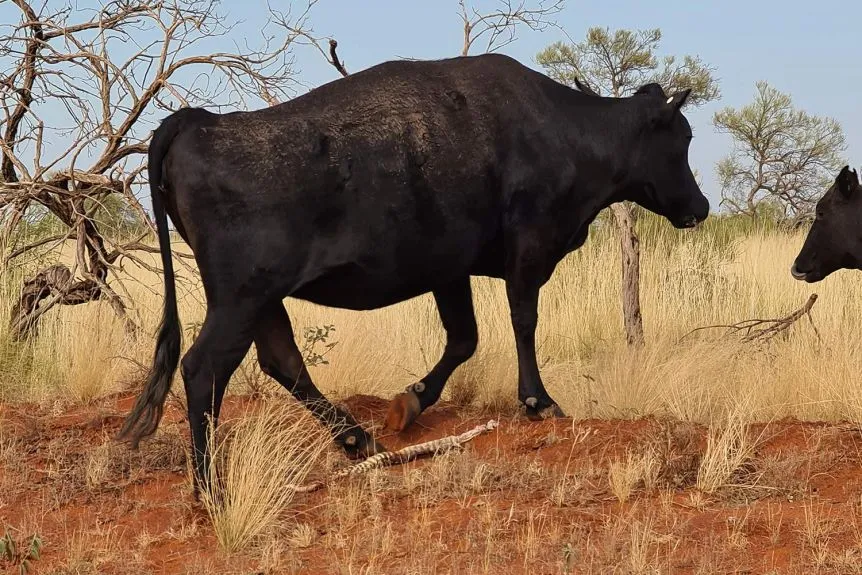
404 455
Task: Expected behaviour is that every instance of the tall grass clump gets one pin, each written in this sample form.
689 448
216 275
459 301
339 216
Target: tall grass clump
254 461
728 448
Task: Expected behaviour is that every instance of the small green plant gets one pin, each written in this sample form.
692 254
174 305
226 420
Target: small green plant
12 553
313 336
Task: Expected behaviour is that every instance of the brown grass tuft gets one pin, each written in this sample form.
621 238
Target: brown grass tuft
254 461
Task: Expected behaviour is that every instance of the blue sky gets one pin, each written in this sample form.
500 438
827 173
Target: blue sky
810 50
813 51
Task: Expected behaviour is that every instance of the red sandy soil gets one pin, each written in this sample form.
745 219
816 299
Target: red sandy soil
793 507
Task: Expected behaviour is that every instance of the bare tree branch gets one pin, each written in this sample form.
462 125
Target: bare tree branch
499 26
763 330
22 250
79 93
334 58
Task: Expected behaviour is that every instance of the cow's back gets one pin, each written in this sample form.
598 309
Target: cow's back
392 171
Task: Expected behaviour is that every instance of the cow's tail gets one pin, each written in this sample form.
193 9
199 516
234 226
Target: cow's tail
147 412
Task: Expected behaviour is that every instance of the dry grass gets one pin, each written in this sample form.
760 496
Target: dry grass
254 459
774 519
88 549
817 528
690 279
728 448
481 510
8 445
635 470
97 469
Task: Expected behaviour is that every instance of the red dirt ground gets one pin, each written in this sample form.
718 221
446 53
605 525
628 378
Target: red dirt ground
529 497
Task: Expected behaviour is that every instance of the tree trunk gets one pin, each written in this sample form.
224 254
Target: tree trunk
630 253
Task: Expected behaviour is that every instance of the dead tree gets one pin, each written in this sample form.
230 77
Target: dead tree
80 93
498 26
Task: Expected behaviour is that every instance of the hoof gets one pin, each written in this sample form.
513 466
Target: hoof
540 414
360 445
403 411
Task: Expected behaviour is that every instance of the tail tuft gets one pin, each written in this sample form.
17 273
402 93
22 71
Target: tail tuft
143 419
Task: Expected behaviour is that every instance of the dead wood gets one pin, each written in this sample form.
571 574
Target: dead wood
339 65
107 108
763 330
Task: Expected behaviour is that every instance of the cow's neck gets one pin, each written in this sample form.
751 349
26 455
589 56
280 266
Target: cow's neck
603 162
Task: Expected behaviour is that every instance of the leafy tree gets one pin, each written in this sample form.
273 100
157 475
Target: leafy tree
781 155
616 64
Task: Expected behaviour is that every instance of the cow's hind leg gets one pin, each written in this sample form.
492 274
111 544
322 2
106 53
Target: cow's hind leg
223 342
280 358
455 306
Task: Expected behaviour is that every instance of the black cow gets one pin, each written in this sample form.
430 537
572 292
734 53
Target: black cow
399 180
834 240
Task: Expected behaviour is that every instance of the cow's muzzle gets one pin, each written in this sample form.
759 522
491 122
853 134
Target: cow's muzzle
797 273
686 222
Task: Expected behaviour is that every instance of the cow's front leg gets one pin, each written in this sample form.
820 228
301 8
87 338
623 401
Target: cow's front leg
455 305
526 272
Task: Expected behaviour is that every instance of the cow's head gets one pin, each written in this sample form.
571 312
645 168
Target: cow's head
659 176
835 239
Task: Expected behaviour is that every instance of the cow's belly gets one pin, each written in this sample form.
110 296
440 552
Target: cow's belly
388 267
351 286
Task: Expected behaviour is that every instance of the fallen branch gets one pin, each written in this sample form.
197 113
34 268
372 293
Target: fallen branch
762 330
404 455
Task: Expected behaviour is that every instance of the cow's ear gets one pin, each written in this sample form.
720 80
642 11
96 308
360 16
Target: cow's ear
671 106
677 101
847 181
584 87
